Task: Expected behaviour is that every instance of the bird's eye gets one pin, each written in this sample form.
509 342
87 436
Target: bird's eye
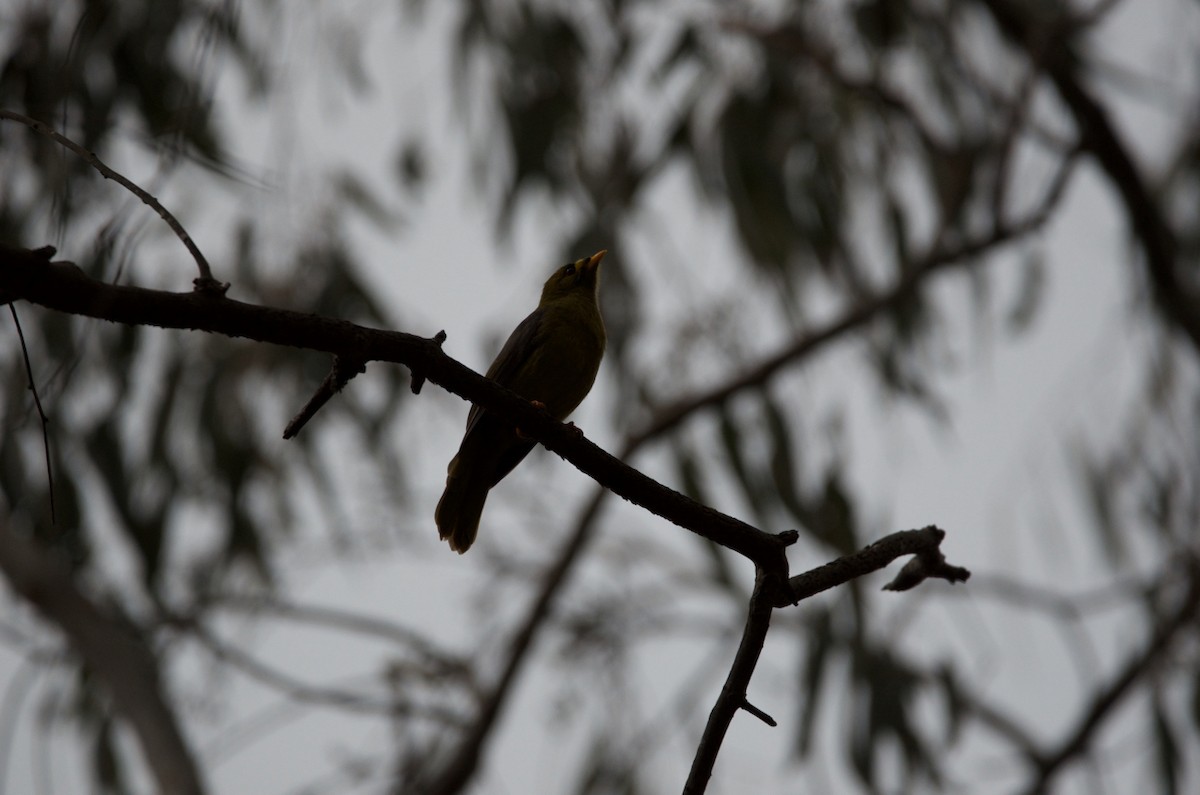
569 270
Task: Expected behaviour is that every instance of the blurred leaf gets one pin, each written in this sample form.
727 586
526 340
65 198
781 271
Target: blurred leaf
898 225
731 444
1195 685
686 48
356 195
783 450
817 640
1099 482
955 708
888 685
245 543
539 98
952 174
691 483
606 772
834 517
1032 290
1161 497
1166 751
753 178
106 762
411 166
348 48
880 22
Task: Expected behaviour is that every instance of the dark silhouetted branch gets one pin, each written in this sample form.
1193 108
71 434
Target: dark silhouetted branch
64 287
343 370
733 692
37 402
923 543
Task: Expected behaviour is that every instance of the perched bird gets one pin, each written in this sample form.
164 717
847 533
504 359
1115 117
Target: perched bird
551 358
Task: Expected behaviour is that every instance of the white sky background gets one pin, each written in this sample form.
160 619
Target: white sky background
983 477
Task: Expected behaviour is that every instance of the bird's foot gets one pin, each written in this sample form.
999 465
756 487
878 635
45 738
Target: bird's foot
576 431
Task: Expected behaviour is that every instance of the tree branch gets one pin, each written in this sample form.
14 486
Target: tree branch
118 657
923 543
64 287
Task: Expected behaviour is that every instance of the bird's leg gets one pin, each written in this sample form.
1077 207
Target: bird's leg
537 404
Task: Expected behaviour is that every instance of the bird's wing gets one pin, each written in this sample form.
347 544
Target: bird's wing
512 357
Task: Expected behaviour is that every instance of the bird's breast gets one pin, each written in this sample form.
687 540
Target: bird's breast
563 364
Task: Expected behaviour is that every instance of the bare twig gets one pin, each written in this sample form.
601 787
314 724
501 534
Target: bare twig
344 368
206 282
923 542
37 401
758 713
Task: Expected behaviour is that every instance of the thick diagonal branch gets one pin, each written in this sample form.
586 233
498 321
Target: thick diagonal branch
64 287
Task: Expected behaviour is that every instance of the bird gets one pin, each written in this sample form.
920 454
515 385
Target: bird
551 359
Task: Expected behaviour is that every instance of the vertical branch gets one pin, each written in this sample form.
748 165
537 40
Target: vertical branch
733 692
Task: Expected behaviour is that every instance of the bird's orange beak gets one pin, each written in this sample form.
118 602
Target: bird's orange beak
593 261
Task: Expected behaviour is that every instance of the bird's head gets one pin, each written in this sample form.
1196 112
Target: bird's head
580 278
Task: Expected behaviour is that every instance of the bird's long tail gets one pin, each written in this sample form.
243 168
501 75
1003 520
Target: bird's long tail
459 509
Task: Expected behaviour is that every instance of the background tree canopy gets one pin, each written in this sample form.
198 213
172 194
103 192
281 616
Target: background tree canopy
874 265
